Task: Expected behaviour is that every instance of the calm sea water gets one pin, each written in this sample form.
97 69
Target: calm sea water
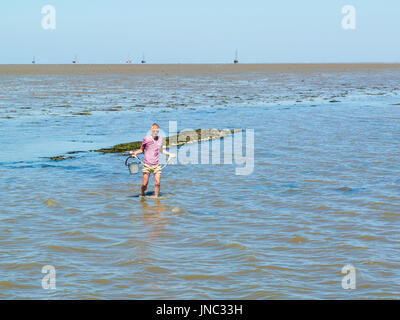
324 193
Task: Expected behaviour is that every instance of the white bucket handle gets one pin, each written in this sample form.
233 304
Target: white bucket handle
127 159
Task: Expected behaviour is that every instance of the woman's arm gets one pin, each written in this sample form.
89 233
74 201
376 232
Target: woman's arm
170 154
139 151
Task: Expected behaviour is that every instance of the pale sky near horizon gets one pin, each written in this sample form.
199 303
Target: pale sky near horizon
172 31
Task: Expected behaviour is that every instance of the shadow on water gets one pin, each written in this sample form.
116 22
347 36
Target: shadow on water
151 195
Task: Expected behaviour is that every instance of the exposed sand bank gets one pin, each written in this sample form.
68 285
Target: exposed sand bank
187 68
183 137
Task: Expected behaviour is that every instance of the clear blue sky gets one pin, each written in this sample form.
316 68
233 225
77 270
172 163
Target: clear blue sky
206 31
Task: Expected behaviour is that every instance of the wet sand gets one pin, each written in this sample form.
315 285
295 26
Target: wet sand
189 68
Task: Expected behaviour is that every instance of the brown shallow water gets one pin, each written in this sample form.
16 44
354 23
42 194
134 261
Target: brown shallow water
324 192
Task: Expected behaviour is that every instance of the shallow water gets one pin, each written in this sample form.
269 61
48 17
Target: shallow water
325 191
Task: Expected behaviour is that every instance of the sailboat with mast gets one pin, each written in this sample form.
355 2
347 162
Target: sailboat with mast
236 61
129 60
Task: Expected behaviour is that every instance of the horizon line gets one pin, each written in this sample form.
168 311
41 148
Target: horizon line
206 63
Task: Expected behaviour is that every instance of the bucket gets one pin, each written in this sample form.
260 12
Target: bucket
133 166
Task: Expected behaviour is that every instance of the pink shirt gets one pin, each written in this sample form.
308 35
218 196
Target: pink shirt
151 150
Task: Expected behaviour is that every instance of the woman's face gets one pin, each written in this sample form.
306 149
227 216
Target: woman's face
155 131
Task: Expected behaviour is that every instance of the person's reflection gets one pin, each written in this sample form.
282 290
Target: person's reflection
155 216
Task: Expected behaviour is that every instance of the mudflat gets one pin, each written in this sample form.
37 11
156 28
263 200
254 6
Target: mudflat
188 68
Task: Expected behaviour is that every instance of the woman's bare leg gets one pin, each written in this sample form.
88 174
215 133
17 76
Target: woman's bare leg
145 182
157 178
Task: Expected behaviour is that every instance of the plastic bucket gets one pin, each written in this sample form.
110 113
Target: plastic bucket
133 166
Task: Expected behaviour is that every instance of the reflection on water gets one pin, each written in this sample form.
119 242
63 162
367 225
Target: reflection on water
156 216
324 192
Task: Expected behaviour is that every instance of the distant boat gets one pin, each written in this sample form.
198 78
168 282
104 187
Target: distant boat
129 60
236 61
33 60
75 61
143 59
